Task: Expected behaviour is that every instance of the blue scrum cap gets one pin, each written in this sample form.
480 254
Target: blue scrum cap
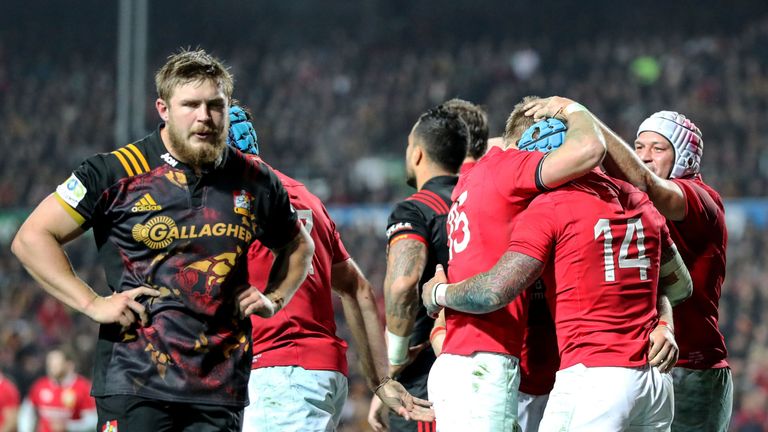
544 136
241 135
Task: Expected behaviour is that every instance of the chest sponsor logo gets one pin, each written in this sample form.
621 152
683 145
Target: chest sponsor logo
243 201
400 226
145 204
109 426
72 191
161 231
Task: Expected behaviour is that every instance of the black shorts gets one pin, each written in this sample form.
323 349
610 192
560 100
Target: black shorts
132 413
414 379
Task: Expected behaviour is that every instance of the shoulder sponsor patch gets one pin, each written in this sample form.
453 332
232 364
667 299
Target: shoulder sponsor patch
169 159
400 226
72 191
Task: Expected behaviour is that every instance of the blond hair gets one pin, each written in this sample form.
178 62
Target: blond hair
188 66
518 122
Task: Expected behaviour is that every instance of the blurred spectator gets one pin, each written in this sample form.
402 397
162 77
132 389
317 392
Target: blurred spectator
9 404
59 401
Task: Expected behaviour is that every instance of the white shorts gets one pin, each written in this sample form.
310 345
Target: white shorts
609 399
475 393
291 398
530 410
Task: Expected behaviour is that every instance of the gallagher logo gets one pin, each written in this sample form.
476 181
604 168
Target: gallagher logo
161 231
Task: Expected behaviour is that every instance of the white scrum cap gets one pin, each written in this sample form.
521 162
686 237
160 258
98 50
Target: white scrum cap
684 136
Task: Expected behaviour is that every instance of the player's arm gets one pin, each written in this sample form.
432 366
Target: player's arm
363 320
439 331
674 279
362 317
484 292
583 148
292 248
622 162
405 263
39 246
662 347
288 271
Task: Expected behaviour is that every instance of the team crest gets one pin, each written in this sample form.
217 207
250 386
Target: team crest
109 426
243 201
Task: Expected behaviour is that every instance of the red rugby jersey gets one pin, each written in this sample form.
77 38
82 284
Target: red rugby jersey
56 403
486 200
701 239
304 332
601 239
9 397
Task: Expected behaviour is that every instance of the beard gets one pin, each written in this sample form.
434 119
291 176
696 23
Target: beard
199 153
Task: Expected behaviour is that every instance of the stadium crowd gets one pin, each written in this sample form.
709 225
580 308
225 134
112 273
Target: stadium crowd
337 116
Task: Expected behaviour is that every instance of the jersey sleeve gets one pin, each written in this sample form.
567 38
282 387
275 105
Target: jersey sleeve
281 221
80 193
534 231
407 222
340 253
666 238
519 173
700 208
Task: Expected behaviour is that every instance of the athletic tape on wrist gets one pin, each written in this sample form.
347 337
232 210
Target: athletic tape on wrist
439 294
573 107
667 325
397 348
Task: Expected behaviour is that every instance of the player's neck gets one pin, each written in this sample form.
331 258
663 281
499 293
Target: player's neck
429 175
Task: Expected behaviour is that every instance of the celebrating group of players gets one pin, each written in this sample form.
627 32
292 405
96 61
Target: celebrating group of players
563 307
561 280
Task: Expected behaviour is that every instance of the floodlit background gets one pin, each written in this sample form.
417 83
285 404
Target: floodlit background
335 87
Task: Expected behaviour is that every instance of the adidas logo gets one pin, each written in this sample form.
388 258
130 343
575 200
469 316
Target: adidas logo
146 203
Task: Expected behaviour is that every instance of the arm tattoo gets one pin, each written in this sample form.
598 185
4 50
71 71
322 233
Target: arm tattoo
494 289
405 263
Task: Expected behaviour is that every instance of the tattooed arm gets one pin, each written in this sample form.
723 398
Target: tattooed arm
485 292
405 263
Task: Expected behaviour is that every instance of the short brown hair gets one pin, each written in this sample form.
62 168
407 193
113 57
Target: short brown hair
518 122
477 122
187 66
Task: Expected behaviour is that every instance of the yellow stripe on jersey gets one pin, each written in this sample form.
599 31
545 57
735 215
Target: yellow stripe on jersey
150 200
139 156
134 163
72 212
124 162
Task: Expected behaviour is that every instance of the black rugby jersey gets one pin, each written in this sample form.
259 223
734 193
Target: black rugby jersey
422 217
157 223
